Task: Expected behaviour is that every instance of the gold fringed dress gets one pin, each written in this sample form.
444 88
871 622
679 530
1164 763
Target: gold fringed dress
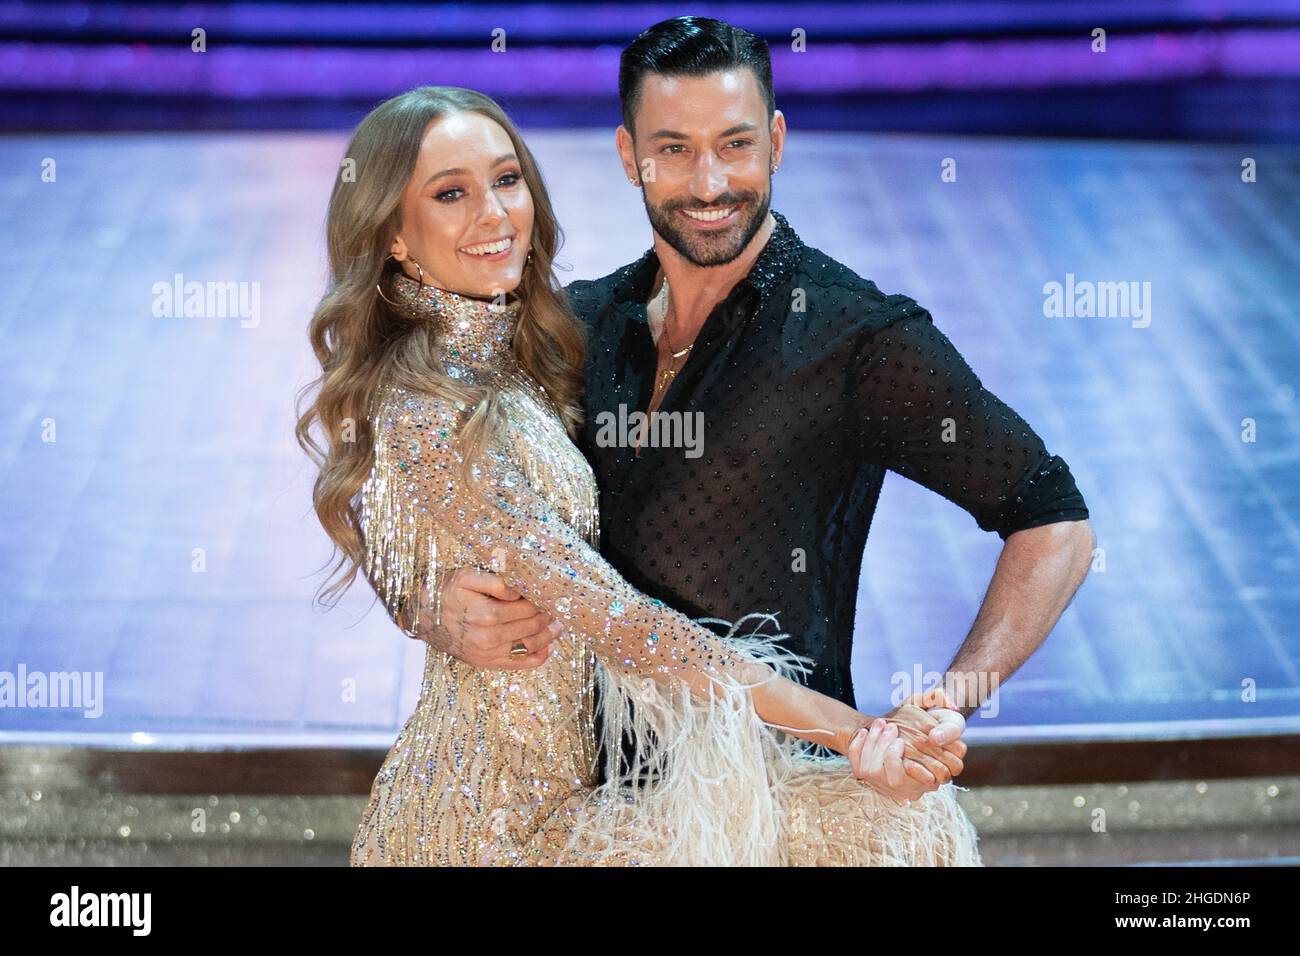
499 767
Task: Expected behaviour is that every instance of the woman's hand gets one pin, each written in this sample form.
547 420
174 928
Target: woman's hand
876 757
931 730
915 729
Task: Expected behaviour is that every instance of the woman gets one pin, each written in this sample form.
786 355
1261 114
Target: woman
450 390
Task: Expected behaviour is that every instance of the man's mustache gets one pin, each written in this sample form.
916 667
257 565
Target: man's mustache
716 204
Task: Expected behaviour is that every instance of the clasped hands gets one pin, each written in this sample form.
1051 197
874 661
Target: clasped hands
915 748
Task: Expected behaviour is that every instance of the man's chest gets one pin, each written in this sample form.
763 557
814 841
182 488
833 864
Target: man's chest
740 411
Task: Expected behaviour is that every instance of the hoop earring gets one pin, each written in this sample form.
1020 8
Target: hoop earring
386 298
418 268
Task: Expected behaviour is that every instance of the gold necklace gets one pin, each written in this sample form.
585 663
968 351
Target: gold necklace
669 373
662 301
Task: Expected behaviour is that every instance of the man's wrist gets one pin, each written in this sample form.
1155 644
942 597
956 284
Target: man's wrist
403 618
440 579
844 738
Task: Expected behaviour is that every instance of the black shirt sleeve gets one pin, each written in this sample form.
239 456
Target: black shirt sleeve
583 297
925 414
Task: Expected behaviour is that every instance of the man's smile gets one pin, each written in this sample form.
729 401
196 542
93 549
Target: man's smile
708 219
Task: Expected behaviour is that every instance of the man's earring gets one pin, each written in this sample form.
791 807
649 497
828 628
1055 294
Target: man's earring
633 181
775 167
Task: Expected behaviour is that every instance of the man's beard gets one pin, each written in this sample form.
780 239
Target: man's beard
707 248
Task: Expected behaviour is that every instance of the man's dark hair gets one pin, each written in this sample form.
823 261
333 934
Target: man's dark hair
691 46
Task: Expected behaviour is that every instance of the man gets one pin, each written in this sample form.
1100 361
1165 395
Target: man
810 382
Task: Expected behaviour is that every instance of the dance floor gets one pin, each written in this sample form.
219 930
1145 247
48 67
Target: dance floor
158 530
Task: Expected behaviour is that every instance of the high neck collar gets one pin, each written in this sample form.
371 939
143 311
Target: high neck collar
473 334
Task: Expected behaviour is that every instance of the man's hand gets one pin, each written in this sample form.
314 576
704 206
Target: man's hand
930 727
876 756
482 618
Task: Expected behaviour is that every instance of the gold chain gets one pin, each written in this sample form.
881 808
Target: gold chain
669 373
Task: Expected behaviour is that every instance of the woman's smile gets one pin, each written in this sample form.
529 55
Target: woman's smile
492 251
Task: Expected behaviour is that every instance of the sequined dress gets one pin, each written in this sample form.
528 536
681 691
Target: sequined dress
498 767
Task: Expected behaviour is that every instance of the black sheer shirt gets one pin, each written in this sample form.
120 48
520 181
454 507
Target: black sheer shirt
812 382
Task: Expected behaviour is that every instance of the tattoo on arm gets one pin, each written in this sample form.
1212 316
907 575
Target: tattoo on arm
456 639
448 637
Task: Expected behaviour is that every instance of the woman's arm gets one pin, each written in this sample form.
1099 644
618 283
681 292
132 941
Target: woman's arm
502 524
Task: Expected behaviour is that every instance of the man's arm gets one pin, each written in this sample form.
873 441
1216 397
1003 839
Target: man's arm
481 618
925 414
1037 575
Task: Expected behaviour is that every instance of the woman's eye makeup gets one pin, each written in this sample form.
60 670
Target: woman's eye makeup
451 195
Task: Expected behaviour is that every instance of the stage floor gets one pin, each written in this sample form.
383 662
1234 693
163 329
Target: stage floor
1232 823
158 531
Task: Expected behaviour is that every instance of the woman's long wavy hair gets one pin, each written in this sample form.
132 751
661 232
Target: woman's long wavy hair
362 343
